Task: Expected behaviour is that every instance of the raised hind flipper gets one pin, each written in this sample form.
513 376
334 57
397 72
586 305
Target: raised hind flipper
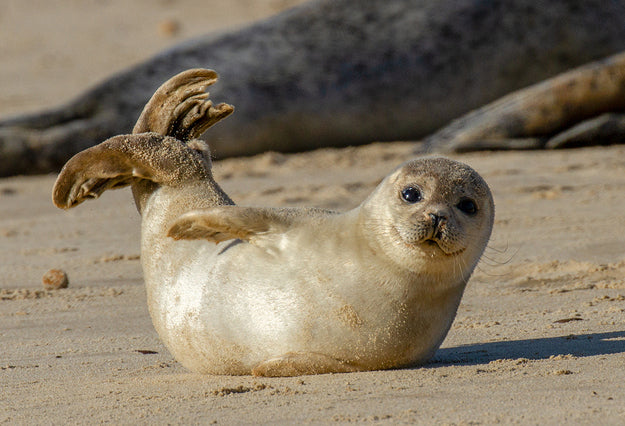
300 364
159 151
121 160
181 108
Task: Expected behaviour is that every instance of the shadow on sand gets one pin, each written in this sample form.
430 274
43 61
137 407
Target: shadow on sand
580 345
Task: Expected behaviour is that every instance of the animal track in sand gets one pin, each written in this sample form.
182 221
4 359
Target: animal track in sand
69 294
116 258
40 251
547 192
256 387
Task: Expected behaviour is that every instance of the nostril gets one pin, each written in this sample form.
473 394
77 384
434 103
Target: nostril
435 219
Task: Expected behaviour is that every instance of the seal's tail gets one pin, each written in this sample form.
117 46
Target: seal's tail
162 148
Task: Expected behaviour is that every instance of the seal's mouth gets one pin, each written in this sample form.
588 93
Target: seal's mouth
431 242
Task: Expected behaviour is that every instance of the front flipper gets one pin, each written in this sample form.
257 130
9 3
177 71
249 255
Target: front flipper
233 222
300 364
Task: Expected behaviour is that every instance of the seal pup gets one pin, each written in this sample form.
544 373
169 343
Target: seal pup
338 73
284 291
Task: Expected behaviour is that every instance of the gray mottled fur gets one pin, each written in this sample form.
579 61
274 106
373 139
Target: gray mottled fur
582 106
338 72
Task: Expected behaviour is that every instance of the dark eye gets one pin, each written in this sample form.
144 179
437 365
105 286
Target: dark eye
411 194
466 205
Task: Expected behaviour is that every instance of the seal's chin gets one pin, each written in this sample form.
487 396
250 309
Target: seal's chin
433 244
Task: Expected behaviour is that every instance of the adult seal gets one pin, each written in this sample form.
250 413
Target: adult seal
286 291
338 73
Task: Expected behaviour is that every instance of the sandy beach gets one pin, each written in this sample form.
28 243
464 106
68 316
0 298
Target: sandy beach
539 337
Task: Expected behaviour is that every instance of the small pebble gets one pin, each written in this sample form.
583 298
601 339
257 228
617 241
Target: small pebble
169 28
55 279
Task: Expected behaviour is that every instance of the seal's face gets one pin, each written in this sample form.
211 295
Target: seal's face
435 210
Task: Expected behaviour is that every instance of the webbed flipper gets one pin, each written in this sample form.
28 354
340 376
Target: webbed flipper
181 107
121 160
233 222
159 150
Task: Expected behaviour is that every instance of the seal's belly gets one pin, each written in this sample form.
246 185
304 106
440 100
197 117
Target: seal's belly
221 314
227 307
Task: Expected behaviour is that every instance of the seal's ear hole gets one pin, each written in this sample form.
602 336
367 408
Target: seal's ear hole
467 206
411 194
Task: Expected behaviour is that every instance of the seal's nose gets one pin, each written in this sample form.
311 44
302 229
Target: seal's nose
437 219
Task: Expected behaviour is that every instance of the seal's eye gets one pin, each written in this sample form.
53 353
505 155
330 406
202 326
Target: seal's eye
467 205
411 194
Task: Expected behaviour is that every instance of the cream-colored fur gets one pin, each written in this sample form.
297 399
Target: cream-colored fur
244 290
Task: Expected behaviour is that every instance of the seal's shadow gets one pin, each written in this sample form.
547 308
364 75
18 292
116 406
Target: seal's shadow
580 345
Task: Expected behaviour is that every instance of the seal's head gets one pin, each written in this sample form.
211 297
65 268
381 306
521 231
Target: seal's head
432 211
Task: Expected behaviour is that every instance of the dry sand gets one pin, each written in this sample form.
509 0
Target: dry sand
539 337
